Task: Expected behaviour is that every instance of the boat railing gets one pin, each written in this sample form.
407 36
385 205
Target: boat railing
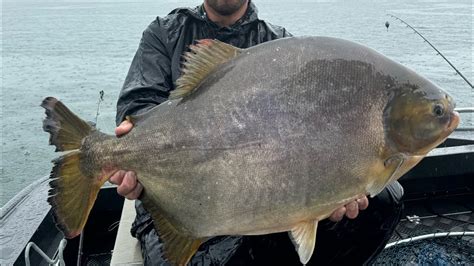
465 110
58 258
429 236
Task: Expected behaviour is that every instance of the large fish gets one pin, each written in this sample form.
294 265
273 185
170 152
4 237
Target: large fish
267 139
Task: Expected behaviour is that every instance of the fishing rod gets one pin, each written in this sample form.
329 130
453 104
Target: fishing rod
426 40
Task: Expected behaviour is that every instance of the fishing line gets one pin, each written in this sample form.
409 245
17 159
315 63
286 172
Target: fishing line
426 40
101 99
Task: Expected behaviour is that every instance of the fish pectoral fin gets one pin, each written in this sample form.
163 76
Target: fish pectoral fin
303 236
392 165
178 246
204 57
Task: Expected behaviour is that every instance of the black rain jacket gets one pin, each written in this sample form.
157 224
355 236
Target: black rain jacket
157 62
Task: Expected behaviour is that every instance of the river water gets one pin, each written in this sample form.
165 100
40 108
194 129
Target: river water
74 49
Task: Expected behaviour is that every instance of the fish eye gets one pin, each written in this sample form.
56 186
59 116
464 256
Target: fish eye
438 110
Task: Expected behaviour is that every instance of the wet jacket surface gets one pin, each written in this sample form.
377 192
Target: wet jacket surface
151 77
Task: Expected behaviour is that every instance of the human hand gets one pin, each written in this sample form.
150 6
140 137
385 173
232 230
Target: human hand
124 127
128 185
350 210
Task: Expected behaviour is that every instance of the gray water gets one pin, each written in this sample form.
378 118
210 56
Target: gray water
74 49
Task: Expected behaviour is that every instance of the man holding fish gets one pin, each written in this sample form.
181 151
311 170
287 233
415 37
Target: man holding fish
152 75
239 152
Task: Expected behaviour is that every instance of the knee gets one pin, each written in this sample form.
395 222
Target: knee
392 195
387 206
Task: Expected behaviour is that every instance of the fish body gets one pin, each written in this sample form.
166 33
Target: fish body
271 138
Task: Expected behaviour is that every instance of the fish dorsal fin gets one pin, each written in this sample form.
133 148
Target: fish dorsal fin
392 165
303 236
203 58
178 246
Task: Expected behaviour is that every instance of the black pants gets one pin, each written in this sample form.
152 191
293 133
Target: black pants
348 242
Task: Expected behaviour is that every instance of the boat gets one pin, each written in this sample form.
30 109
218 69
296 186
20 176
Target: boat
439 205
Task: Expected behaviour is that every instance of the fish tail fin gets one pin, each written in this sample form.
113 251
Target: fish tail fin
72 194
65 128
72 191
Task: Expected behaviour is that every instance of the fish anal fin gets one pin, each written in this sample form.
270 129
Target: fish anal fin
203 58
303 236
178 246
392 166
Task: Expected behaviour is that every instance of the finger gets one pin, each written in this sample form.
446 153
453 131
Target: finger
337 215
123 128
128 184
352 210
135 193
117 177
363 203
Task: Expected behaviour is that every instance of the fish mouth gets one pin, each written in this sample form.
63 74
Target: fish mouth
453 121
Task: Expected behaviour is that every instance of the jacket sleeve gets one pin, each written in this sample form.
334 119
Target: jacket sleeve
148 81
277 31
